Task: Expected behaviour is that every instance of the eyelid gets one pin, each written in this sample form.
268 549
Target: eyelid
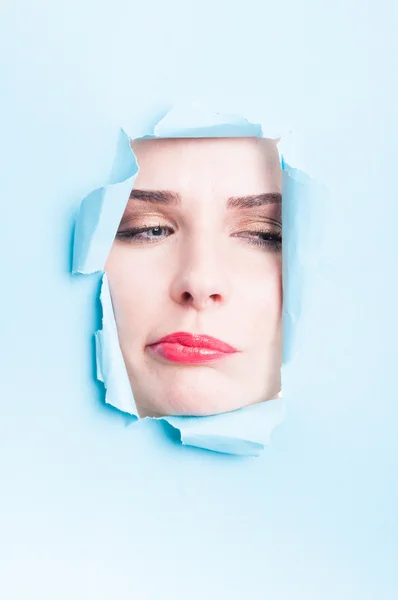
260 219
140 221
256 227
143 211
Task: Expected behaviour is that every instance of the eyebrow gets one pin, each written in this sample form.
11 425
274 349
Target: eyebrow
255 200
168 198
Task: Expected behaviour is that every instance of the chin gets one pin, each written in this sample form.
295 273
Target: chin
199 406
200 396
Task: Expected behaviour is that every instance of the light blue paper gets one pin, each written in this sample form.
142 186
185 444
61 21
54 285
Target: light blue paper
93 509
302 248
196 122
111 369
100 212
242 432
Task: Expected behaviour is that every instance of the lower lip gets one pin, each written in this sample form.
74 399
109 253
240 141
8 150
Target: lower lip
178 353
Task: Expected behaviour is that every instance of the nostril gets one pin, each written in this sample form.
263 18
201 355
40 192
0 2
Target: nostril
215 297
199 299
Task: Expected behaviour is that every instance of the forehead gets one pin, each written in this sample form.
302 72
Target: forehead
228 165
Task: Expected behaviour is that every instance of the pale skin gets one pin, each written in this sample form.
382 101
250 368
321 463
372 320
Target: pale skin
206 264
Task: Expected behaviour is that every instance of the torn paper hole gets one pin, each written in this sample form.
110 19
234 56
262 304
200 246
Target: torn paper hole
173 300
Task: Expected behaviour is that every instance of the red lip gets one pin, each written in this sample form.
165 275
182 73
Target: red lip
189 348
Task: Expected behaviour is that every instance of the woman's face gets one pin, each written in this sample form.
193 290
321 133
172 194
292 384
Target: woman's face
198 252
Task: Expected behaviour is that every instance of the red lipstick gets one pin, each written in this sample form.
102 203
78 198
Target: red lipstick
188 348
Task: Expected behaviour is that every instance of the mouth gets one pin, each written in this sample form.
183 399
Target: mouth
188 348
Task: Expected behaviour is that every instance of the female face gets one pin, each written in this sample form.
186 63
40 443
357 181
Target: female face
197 258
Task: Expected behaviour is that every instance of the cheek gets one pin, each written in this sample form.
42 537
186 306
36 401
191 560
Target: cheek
270 294
265 295
124 283
136 288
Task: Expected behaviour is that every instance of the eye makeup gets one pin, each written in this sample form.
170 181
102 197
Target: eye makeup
148 234
264 238
260 227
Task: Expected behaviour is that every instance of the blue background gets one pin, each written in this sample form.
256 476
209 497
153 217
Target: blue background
92 507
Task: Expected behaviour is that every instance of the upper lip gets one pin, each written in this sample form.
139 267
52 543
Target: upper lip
194 340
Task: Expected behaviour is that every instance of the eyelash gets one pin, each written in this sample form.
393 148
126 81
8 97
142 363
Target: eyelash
132 233
271 241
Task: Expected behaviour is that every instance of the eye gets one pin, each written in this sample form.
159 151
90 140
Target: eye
144 234
268 240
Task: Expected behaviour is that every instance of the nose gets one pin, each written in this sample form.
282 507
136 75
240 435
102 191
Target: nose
201 278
